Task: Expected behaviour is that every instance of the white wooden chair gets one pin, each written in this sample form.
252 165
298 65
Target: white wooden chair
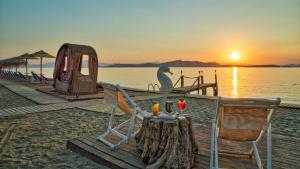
115 97
244 120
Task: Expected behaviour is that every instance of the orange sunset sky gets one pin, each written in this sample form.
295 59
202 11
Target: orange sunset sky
262 32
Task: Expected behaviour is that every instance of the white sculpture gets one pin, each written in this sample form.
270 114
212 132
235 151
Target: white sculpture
166 84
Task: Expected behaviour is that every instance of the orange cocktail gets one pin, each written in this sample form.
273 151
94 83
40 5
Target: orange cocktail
155 109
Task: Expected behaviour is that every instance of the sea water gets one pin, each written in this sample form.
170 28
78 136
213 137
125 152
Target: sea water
232 81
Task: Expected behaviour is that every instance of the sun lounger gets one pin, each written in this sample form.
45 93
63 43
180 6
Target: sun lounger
23 77
44 78
115 97
17 76
11 75
243 120
36 78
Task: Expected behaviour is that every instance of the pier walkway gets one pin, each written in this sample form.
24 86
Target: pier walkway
47 102
23 111
198 85
30 93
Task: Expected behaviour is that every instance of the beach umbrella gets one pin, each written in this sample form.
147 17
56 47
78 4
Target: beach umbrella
42 54
14 62
25 57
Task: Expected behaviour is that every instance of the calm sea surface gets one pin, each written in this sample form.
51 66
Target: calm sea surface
233 82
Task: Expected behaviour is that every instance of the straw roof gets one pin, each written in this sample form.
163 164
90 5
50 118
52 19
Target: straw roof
19 60
42 54
12 61
26 56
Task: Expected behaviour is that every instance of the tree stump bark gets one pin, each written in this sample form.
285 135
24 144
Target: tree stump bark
167 143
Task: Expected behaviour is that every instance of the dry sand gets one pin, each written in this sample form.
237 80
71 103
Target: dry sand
38 140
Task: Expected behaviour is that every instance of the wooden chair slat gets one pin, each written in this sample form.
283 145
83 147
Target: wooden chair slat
238 134
243 119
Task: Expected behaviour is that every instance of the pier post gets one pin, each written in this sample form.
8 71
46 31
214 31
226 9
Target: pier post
198 82
202 82
182 80
216 84
202 79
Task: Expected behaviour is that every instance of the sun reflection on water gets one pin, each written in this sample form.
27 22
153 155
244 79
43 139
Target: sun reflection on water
235 82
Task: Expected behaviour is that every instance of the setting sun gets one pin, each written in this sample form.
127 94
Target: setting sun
235 56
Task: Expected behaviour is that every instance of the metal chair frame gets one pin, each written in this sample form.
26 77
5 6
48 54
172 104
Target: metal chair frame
136 112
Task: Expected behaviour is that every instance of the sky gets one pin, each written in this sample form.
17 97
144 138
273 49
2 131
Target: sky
138 31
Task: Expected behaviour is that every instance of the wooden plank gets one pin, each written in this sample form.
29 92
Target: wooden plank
119 153
193 88
96 155
22 110
16 111
30 109
3 114
8 112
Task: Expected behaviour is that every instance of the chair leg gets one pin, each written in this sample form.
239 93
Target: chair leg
131 125
111 119
216 150
212 144
269 144
257 155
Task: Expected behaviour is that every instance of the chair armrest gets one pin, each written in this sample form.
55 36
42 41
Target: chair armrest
143 113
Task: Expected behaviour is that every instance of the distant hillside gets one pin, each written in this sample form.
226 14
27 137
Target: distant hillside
175 63
181 63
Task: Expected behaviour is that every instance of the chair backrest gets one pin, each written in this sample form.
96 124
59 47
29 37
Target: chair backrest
44 78
36 77
21 75
115 96
244 119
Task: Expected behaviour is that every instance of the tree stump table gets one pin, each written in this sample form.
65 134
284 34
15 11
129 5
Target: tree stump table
167 143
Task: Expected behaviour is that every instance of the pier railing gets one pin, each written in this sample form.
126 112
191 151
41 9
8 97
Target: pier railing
197 85
198 81
151 85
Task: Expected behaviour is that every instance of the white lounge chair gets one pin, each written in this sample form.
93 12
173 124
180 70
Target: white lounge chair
115 97
244 120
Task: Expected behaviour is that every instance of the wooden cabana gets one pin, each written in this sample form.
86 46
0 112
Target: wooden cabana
68 75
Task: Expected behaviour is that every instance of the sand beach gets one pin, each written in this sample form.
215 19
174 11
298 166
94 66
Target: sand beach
38 140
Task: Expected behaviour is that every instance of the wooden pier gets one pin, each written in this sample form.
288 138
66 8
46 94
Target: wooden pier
198 85
285 152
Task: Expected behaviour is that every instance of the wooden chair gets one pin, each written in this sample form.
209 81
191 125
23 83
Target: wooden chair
115 97
244 120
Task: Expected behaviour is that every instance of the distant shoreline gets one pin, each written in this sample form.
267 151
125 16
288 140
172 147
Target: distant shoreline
175 63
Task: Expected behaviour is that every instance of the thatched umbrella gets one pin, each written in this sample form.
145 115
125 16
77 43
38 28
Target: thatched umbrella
26 56
42 54
12 62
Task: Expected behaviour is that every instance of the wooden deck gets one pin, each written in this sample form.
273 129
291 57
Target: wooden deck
30 93
286 152
23 111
